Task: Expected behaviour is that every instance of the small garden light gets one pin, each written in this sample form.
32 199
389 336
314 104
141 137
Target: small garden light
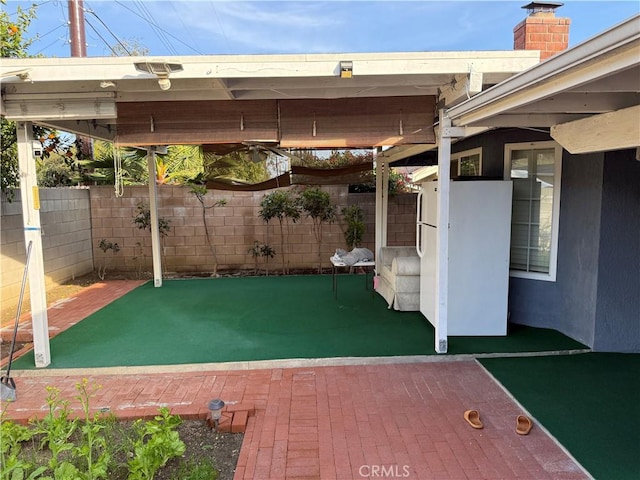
215 407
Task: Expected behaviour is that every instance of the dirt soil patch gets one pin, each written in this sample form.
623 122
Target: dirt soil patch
54 294
202 443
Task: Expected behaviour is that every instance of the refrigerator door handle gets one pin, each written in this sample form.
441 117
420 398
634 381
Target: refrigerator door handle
419 214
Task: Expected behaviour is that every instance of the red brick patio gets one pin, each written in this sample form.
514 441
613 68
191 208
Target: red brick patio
337 422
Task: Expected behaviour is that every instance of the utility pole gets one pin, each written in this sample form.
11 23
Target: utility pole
79 49
76 28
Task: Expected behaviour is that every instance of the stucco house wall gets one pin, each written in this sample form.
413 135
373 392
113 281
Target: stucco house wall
595 296
618 300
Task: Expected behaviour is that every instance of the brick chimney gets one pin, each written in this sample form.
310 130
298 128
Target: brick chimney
542 30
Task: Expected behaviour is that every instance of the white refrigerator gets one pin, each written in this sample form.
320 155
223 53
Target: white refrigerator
479 244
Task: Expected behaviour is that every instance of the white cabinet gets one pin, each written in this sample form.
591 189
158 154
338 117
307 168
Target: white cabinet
479 238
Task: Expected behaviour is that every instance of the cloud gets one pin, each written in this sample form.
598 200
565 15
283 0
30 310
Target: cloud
266 27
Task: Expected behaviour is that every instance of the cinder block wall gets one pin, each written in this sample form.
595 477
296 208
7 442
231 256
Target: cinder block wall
233 229
65 217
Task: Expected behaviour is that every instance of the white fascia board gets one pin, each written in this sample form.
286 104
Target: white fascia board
273 66
614 50
403 151
52 109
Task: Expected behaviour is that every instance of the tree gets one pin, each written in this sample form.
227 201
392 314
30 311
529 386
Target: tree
316 203
181 164
55 172
282 205
130 47
234 167
101 170
200 191
14 44
143 221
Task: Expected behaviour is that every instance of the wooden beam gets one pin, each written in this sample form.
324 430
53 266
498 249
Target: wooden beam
460 89
87 128
608 131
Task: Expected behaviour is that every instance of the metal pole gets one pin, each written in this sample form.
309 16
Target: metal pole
76 28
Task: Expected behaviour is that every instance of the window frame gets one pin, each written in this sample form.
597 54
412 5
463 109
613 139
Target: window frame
555 220
457 157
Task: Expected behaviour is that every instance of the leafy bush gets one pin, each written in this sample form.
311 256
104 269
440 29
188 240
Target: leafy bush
157 443
354 216
84 448
316 203
280 204
105 246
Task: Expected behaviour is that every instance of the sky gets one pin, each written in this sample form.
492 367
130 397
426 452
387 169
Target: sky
211 27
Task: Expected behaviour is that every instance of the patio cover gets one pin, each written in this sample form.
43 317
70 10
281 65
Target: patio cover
319 101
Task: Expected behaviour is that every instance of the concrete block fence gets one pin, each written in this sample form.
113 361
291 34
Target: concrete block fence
74 220
65 217
233 228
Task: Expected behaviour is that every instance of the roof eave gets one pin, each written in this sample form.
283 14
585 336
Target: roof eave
621 44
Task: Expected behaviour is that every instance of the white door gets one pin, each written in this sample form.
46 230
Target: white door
428 261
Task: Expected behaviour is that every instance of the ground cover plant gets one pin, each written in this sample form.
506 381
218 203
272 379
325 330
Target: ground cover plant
92 446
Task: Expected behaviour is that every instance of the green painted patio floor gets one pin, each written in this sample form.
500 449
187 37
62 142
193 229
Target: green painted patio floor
589 402
262 318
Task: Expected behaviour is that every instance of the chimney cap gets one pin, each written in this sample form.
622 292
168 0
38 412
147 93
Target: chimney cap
535 7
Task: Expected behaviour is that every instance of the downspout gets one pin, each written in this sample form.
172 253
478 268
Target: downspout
153 210
32 232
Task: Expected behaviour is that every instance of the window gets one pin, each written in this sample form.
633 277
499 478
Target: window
535 170
466 164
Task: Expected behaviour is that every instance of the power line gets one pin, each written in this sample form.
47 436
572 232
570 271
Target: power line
224 34
101 37
154 25
40 37
27 8
108 30
159 28
51 44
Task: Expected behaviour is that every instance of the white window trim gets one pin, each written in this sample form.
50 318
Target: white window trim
456 157
553 255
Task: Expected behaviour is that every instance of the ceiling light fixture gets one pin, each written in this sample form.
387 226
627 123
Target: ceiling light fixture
161 69
165 83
